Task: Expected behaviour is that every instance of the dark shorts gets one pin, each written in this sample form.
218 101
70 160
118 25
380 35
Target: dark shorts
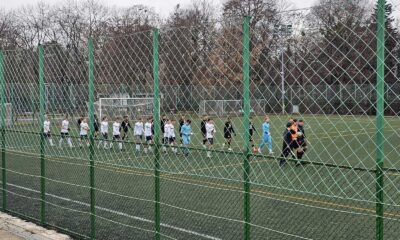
47 135
83 137
105 136
251 138
64 134
116 137
166 140
204 135
227 136
210 141
171 140
149 138
294 144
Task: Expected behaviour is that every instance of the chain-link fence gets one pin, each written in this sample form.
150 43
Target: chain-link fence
88 154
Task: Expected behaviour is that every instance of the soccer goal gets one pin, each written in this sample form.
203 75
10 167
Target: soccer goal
231 107
132 107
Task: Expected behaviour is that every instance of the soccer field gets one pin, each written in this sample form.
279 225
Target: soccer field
202 198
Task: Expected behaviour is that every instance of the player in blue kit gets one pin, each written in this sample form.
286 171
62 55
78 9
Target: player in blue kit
266 136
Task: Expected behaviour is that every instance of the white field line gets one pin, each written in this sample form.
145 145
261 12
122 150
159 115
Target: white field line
122 214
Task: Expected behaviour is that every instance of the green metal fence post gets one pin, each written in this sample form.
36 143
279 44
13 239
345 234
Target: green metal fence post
91 146
42 150
3 130
380 91
12 103
156 117
246 111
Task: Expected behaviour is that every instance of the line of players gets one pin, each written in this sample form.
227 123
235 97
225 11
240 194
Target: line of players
294 139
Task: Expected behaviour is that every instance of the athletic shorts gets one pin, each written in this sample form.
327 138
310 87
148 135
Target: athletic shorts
83 137
251 138
204 135
149 138
47 135
210 141
166 140
105 136
171 139
116 137
64 134
294 144
227 136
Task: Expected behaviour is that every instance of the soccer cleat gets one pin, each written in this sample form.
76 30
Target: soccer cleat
229 149
259 150
204 146
271 152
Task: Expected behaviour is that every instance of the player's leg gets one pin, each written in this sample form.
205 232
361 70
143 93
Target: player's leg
229 143
262 144
210 146
61 140
137 144
270 145
204 140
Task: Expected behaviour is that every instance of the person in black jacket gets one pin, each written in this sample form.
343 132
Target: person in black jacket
301 140
228 131
203 129
125 126
287 142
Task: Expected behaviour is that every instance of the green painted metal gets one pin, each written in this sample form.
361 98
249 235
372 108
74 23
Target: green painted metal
380 92
91 146
156 118
246 122
42 149
3 131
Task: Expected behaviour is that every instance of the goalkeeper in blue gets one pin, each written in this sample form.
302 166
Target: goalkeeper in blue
266 138
186 131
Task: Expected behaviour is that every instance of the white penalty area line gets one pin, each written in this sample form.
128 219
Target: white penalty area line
122 214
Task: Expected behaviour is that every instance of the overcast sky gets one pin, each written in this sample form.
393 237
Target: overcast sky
161 6
164 7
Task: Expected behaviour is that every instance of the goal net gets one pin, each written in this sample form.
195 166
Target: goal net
132 107
232 107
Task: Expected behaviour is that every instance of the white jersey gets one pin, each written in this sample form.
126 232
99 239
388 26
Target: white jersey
84 128
210 129
116 128
104 127
65 126
171 133
166 130
147 129
138 130
46 126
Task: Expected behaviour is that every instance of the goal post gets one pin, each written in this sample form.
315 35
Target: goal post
233 107
132 107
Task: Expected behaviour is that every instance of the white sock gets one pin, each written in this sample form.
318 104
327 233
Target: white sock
51 142
137 147
60 142
111 144
120 146
100 142
208 154
69 142
145 150
150 148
